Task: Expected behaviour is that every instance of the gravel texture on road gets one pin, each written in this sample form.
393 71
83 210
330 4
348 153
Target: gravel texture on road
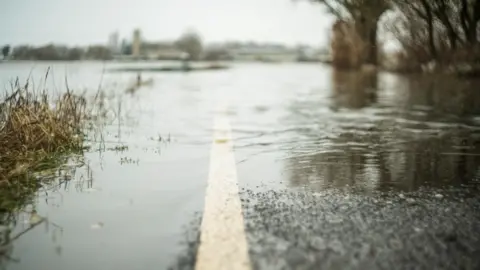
344 229
347 229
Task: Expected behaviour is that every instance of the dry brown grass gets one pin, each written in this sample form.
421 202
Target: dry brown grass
33 127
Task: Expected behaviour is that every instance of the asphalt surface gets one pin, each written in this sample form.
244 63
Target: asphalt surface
344 230
348 229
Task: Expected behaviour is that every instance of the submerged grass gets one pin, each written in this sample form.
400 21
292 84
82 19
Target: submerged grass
43 137
36 132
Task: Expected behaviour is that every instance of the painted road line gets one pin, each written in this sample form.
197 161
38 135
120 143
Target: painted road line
223 245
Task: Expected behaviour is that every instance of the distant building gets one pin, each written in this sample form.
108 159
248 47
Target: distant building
113 42
136 43
153 50
160 50
264 53
310 54
125 48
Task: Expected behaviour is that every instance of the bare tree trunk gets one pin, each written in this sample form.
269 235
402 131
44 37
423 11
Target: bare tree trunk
469 21
442 13
372 50
431 34
367 31
476 21
346 46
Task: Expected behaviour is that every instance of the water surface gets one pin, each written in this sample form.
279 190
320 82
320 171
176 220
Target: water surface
295 126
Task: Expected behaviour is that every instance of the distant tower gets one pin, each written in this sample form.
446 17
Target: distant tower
113 42
137 42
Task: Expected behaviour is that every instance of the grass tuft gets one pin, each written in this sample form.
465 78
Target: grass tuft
35 131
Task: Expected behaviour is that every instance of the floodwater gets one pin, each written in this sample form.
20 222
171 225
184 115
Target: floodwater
296 127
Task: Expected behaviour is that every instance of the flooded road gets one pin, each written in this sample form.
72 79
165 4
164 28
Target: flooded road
335 170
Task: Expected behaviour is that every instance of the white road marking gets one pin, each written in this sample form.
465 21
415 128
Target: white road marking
223 245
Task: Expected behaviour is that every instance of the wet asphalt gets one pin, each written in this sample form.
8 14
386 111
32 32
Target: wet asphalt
348 229
343 230
377 188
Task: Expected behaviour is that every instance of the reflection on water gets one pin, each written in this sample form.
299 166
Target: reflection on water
354 90
132 210
18 214
389 132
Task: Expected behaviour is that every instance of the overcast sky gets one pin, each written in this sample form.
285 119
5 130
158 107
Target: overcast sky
81 22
